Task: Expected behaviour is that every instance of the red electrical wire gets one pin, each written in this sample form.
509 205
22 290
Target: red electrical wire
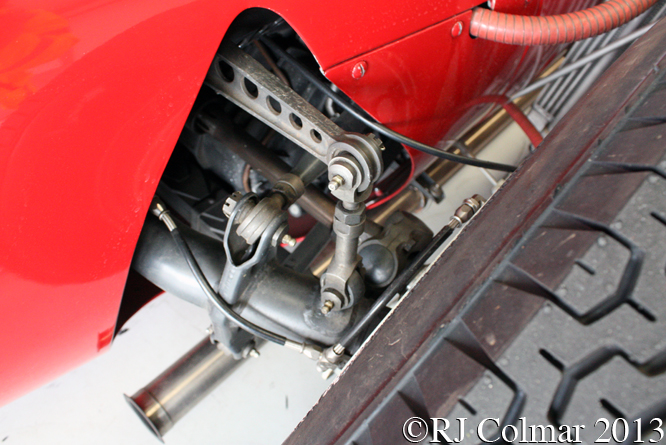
298 240
385 199
554 29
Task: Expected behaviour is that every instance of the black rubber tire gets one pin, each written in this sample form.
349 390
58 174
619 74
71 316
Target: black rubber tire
551 305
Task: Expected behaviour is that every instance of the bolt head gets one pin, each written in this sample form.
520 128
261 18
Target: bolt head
436 190
344 217
359 69
465 213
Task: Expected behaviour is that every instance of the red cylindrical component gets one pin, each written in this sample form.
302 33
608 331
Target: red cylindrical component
564 28
515 112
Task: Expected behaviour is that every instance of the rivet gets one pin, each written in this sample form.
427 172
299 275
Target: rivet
359 69
457 29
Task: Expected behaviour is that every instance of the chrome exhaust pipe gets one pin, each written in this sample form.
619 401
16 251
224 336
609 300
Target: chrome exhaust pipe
165 400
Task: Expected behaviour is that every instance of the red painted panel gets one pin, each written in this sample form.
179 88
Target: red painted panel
96 95
336 31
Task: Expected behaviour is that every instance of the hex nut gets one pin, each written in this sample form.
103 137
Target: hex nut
475 202
230 203
350 217
464 213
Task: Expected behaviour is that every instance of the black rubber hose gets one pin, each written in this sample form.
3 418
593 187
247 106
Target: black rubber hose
402 139
397 285
216 299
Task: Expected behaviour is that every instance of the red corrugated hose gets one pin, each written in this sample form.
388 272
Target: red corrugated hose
554 29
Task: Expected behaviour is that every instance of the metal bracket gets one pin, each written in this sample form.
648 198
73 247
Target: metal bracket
242 257
244 81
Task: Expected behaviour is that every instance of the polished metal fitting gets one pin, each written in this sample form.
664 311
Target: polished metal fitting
345 173
331 359
326 308
332 300
159 209
465 212
475 202
312 352
289 240
280 234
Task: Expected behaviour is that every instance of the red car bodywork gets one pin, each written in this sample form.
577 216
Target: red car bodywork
94 94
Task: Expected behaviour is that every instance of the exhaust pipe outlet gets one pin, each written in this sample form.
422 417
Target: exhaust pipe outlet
165 400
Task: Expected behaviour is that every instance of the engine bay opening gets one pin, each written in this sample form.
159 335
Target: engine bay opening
290 215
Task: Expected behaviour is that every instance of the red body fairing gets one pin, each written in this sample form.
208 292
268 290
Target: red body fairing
93 96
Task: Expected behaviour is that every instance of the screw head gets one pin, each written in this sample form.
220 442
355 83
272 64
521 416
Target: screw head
359 69
457 29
